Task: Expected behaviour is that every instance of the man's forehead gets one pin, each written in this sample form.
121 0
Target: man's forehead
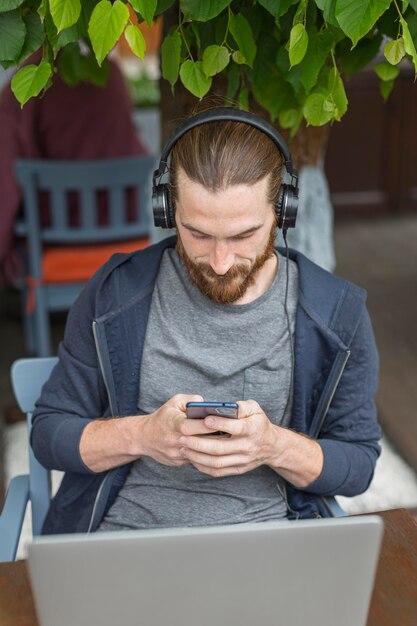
185 182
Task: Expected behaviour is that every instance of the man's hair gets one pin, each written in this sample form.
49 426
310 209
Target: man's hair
221 154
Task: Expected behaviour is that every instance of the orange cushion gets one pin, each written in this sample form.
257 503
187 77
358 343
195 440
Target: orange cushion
78 263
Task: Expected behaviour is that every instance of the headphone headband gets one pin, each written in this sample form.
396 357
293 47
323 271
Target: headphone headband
226 114
286 208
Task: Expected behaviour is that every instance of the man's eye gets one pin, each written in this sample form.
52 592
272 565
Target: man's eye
241 237
200 236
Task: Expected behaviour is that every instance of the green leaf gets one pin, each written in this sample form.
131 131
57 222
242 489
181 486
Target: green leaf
106 25
9 5
35 35
357 17
243 99
291 119
65 13
298 44
30 80
202 11
233 80
328 8
386 71
194 79
317 111
69 35
12 35
408 43
65 37
337 94
170 57
385 88
394 51
238 57
270 85
136 40
76 67
95 73
51 32
71 66
43 9
276 7
275 95
319 46
300 13
163 5
242 34
354 59
146 8
215 59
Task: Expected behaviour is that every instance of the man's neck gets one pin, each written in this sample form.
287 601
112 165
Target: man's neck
264 279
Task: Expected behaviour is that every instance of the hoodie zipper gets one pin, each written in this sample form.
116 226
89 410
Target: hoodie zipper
100 360
328 403
331 394
96 500
103 482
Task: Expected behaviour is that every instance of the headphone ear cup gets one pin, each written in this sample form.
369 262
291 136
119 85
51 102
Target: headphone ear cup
163 216
170 209
286 207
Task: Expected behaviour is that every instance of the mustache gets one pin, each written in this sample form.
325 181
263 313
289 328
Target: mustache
236 271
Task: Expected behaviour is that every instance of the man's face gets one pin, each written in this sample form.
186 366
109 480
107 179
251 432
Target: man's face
226 239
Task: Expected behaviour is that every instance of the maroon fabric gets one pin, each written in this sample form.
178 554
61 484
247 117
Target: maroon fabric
81 122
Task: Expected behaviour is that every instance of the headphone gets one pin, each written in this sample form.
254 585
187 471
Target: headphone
287 204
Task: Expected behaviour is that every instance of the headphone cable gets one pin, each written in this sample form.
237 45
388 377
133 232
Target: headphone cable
287 280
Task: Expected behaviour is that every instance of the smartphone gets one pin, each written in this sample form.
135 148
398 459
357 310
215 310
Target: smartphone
200 410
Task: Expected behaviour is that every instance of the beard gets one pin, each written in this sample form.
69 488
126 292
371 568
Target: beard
229 287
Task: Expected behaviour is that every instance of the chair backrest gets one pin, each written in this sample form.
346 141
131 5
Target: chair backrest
122 184
28 377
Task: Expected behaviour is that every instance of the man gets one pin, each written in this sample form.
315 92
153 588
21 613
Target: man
216 314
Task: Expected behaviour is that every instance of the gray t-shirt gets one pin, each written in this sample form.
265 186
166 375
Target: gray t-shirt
224 353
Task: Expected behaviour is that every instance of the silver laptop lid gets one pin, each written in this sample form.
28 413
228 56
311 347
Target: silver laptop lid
313 572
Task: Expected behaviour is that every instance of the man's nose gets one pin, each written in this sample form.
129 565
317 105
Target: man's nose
221 258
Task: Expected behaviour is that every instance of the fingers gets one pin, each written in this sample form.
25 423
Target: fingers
217 466
216 446
180 400
189 427
248 408
226 425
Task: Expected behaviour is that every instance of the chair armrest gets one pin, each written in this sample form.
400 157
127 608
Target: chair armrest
334 507
12 516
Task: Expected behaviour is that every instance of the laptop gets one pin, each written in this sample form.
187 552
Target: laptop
304 573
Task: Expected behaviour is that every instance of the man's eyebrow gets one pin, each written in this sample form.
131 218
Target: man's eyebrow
252 229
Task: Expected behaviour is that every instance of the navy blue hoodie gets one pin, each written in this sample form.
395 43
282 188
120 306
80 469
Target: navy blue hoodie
98 375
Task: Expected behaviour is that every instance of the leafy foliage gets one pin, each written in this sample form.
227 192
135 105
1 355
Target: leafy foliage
290 56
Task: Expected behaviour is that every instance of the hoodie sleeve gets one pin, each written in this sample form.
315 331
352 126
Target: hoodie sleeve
350 434
75 393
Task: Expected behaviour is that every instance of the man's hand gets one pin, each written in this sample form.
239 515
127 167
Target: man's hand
253 441
108 443
160 431
250 443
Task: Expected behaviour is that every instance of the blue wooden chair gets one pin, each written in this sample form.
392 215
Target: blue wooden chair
94 208
28 377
